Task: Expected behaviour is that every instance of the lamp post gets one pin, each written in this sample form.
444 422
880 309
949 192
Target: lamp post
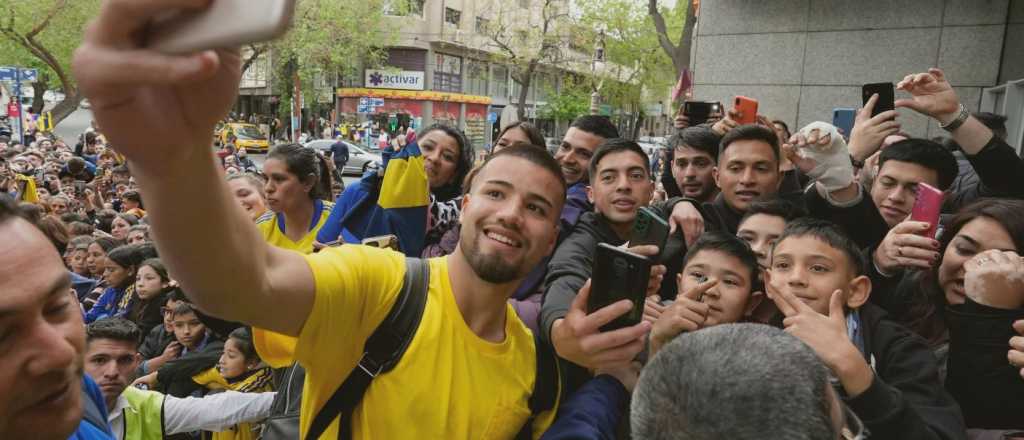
595 96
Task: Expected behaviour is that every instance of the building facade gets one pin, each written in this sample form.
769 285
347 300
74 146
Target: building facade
803 58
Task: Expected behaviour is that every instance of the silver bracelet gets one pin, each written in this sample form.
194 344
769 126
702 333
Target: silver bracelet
956 123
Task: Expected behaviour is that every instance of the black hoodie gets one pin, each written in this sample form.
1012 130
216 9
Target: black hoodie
906 400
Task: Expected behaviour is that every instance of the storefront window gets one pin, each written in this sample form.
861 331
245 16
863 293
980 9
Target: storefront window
447 73
476 77
499 75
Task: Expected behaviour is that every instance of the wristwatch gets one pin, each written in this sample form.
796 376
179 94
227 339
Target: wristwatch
956 123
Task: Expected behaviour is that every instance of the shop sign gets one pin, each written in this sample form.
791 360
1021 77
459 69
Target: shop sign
394 79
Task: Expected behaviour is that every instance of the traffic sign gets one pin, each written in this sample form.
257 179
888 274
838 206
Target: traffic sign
377 102
30 75
8 73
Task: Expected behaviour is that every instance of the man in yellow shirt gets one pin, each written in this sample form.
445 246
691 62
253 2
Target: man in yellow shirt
470 368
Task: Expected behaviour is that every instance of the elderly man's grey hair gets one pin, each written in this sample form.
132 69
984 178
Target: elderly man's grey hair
734 382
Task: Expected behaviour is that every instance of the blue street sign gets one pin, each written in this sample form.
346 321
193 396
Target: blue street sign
30 75
492 117
364 101
377 102
8 73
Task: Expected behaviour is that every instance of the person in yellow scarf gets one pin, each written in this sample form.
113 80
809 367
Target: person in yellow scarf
239 369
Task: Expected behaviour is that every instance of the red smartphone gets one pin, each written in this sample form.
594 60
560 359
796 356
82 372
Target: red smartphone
748 108
927 207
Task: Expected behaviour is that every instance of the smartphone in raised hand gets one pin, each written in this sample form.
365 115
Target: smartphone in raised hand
747 108
886 96
224 24
927 208
843 119
649 229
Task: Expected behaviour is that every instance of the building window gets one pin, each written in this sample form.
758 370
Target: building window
452 16
499 77
447 73
404 7
258 73
482 24
476 77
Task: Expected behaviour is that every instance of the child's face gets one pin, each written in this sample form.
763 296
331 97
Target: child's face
188 330
731 299
232 362
168 316
812 270
760 231
148 283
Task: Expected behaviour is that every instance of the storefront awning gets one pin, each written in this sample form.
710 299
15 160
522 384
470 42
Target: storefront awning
358 92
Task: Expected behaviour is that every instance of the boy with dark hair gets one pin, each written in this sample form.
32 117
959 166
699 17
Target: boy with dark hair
763 224
885 373
720 281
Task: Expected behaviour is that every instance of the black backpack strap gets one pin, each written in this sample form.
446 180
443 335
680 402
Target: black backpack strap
381 352
545 386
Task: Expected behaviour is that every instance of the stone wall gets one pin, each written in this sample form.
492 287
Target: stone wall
802 58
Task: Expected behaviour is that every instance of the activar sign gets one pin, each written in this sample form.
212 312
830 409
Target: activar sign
394 79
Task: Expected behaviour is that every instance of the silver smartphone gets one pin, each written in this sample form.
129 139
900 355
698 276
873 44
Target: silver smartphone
224 24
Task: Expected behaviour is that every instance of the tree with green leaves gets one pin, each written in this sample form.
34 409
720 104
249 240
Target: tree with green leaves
637 70
525 39
680 19
43 34
569 103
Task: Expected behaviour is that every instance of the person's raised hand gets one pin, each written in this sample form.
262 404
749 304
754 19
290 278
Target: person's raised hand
904 248
578 337
627 374
157 108
653 309
1016 354
687 216
728 122
172 351
820 147
149 380
827 336
686 314
931 95
868 132
995 278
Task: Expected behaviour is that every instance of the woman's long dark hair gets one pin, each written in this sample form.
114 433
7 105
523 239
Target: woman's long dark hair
929 301
453 188
305 163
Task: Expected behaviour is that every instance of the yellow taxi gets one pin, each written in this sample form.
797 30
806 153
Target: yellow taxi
246 136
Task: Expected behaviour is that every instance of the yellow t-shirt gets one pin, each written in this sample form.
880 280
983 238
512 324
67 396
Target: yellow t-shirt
275 345
449 384
271 225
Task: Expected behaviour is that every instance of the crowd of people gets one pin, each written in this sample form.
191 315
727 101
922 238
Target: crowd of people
152 288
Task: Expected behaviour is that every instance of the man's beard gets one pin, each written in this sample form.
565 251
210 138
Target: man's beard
490 268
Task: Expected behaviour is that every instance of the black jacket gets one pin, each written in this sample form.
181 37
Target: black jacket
906 400
862 222
571 265
994 172
989 389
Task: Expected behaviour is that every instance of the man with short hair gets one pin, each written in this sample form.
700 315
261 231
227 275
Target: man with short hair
620 185
693 156
737 382
747 170
339 154
585 134
468 338
43 394
111 359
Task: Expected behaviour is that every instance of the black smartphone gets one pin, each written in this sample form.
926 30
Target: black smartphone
619 274
886 96
698 112
649 229
80 188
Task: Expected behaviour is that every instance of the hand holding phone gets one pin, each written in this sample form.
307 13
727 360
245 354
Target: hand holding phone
619 274
927 208
886 96
843 119
747 107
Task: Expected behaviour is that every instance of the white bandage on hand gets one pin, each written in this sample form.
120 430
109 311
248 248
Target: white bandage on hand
834 170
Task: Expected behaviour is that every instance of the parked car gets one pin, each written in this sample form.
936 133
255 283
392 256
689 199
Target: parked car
246 136
359 158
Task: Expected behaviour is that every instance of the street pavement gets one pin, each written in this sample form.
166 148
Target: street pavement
75 124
